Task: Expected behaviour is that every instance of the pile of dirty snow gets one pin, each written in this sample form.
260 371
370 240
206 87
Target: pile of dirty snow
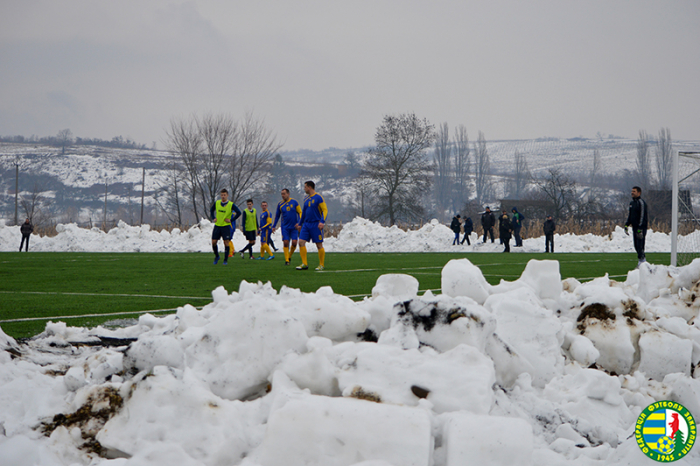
538 371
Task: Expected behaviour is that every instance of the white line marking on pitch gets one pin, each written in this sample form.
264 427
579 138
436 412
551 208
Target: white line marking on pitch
28 319
104 294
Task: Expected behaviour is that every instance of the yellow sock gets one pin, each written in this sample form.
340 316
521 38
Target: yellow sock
231 250
321 256
291 251
302 253
286 254
269 250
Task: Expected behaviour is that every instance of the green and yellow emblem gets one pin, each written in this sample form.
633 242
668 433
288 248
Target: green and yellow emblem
665 431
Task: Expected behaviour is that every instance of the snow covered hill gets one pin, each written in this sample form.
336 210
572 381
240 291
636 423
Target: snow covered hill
76 181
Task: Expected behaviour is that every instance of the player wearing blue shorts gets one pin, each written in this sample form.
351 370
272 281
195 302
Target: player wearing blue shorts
265 232
221 212
290 212
311 223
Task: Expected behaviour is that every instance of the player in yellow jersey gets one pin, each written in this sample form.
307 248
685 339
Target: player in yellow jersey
289 212
313 219
265 232
222 213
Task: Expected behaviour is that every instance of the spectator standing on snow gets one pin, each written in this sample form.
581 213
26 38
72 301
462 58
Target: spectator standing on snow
505 228
638 220
26 229
468 228
517 225
456 226
488 221
549 227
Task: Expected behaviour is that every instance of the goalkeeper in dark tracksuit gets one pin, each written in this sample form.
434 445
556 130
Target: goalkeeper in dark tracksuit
638 219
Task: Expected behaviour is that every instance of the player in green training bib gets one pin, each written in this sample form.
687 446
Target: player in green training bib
221 212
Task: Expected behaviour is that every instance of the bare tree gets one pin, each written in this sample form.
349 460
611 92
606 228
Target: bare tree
281 176
399 167
253 151
363 203
482 170
65 138
35 206
595 174
219 136
442 168
559 190
352 162
643 160
664 158
461 170
184 141
596 169
521 176
169 194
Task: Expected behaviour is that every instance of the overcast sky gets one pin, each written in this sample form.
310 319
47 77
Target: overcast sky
324 73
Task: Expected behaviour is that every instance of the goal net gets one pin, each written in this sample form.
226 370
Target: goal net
685 215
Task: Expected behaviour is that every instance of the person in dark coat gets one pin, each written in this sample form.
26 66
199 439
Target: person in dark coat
549 227
505 228
488 221
639 221
456 226
26 229
517 225
468 228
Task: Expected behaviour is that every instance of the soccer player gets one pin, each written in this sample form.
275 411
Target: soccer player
249 225
221 212
290 212
311 223
265 232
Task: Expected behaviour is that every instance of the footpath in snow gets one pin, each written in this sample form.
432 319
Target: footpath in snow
538 371
360 235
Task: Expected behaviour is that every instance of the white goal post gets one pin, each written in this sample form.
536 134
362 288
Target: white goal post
683 205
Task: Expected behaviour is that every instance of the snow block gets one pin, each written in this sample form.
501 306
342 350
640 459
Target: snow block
544 278
459 379
441 322
397 285
344 431
239 348
472 439
540 345
462 278
662 353
613 339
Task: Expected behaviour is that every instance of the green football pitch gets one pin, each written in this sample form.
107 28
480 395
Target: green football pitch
89 289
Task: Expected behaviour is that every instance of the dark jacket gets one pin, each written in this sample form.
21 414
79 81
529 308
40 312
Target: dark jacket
26 229
455 225
638 217
549 227
504 226
488 220
468 226
517 218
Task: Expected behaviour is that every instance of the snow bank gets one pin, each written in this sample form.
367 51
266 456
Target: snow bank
360 235
534 371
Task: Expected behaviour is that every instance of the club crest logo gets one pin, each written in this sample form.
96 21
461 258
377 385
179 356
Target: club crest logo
665 431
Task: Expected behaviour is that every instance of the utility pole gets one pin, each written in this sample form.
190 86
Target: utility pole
16 191
143 189
104 224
